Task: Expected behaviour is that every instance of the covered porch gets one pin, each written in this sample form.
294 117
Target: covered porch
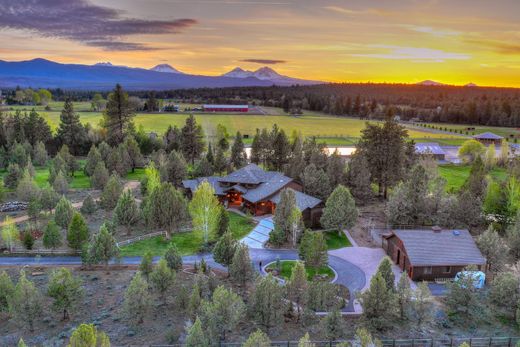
260 208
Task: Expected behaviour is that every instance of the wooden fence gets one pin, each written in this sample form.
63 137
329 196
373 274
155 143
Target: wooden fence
451 342
140 238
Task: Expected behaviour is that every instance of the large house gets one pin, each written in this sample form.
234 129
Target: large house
428 255
258 191
489 138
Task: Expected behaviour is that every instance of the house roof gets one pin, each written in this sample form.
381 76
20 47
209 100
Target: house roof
443 248
488 136
250 174
303 201
213 180
274 182
429 148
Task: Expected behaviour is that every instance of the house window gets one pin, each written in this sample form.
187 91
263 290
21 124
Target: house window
428 270
446 269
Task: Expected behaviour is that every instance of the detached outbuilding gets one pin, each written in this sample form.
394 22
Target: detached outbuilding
430 149
489 138
429 255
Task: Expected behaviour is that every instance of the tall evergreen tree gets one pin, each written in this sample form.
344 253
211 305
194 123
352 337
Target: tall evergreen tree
117 117
137 301
192 140
25 304
340 210
66 290
267 302
238 154
167 208
70 131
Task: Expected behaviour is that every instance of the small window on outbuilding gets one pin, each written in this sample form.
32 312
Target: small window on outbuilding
428 270
446 269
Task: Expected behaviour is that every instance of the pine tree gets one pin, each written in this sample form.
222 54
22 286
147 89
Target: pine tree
172 139
118 161
238 154
267 304
40 155
220 163
241 270
86 335
494 249
146 266
60 183
223 221
282 216
135 158
27 189
89 205
6 290
111 193
126 212
298 287
335 169
100 176
340 210
177 169
385 269
333 325
162 278
77 232
192 140
313 249
197 336
48 198
63 212
70 131
173 257
315 182
167 208
137 301
102 247
223 313
117 118
93 158
224 249
66 290
257 339
403 295
12 176
378 302
25 303
52 238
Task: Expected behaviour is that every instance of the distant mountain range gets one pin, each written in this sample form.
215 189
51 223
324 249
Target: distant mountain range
41 73
435 83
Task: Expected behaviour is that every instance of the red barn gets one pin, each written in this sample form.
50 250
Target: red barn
225 108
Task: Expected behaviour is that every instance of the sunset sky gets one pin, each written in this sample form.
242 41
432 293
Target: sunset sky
451 41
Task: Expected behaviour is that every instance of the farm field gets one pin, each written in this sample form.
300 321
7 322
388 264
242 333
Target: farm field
333 130
502 131
456 175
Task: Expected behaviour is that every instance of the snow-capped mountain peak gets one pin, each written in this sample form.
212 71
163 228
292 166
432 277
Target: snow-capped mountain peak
165 68
238 73
103 63
266 73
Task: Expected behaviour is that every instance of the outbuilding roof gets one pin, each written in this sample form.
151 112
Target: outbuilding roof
488 136
429 148
226 106
439 248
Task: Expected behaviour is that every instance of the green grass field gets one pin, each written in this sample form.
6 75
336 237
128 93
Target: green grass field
332 130
188 242
336 241
456 175
286 269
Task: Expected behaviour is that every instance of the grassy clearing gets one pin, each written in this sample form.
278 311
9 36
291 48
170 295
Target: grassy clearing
332 130
456 175
286 268
188 242
336 240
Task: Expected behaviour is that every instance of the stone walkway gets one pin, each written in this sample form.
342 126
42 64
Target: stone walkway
260 234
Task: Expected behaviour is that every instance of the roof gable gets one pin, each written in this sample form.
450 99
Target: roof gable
488 136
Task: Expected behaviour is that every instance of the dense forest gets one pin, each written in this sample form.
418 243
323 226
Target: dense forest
450 104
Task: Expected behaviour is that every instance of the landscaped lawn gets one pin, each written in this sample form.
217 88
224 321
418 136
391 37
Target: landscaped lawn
456 175
336 240
286 268
188 242
41 177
